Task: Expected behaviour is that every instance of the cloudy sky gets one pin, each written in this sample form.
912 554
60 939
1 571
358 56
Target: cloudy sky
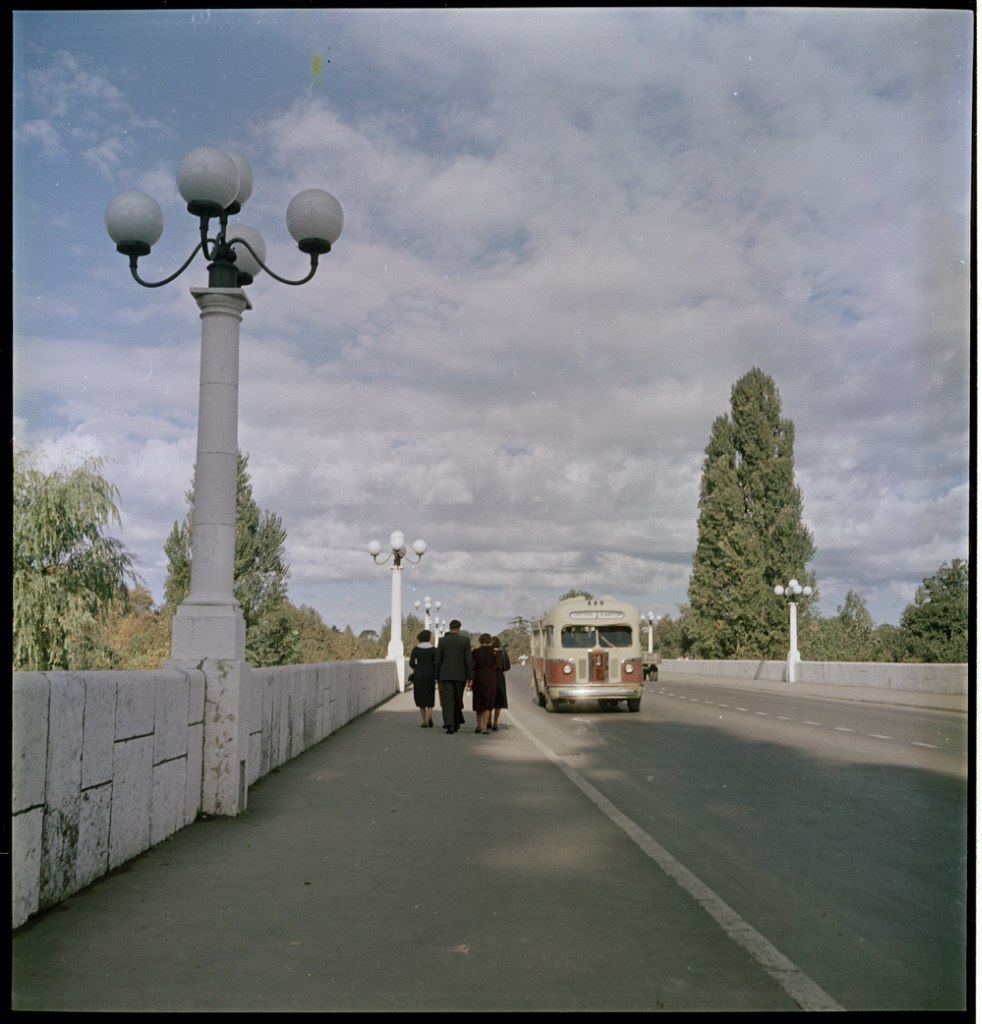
567 234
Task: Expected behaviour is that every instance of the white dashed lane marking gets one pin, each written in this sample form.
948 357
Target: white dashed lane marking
803 721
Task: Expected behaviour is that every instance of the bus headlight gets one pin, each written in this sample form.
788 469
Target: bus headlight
567 669
629 667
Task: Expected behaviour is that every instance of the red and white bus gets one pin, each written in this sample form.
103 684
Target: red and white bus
588 649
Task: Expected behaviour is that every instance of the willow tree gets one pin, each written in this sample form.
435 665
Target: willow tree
750 531
67 570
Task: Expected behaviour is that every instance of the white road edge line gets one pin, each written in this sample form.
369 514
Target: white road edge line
808 995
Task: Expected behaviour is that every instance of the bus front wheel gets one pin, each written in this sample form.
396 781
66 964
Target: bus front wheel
634 704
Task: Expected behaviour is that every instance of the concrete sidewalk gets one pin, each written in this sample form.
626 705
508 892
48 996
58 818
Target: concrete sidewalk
393 868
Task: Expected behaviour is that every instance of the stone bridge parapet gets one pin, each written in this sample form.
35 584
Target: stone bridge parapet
108 764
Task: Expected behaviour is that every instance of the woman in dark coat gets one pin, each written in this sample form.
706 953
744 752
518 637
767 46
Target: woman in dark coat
422 663
485 683
502 665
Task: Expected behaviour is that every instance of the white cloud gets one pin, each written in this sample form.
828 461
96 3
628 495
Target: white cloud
563 245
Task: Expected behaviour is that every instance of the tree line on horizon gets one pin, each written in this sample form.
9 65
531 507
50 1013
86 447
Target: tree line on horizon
79 604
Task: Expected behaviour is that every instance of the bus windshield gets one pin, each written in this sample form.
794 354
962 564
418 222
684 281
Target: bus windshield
595 636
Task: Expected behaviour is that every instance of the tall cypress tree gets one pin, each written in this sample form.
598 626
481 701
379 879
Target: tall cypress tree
751 535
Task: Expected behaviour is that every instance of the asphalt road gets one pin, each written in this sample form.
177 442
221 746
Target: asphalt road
837 829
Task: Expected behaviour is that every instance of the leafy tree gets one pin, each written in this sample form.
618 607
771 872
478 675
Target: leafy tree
274 638
370 636
848 636
260 572
349 647
411 628
666 639
67 570
885 638
516 636
573 592
687 628
935 627
134 635
750 530
315 637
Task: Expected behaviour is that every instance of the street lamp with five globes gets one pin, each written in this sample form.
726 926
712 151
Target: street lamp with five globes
208 629
792 592
398 554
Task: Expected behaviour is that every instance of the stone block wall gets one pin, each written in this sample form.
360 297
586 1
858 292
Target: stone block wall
108 764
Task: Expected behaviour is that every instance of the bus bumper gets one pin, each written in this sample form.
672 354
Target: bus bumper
594 692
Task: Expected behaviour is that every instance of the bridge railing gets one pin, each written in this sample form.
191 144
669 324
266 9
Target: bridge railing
910 677
108 764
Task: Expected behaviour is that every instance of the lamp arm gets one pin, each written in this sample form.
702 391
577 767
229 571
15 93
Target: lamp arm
276 277
167 280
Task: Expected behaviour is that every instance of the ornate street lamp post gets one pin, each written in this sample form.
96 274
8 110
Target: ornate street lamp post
430 623
397 542
792 592
208 630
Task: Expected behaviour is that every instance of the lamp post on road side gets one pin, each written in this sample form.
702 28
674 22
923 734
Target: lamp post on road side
792 591
649 619
209 630
429 623
397 542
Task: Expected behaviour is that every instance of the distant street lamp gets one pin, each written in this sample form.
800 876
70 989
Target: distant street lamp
429 623
792 592
208 628
397 542
650 620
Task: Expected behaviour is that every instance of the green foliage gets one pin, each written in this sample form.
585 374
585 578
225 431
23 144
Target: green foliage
667 639
935 627
260 573
750 531
411 628
299 636
274 637
572 592
848 636
349 647
315 638
67 570
177 548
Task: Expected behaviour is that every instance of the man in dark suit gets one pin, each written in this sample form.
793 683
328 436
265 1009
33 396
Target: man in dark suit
454 670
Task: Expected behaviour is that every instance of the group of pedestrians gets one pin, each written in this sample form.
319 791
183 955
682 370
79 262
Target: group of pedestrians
451 668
